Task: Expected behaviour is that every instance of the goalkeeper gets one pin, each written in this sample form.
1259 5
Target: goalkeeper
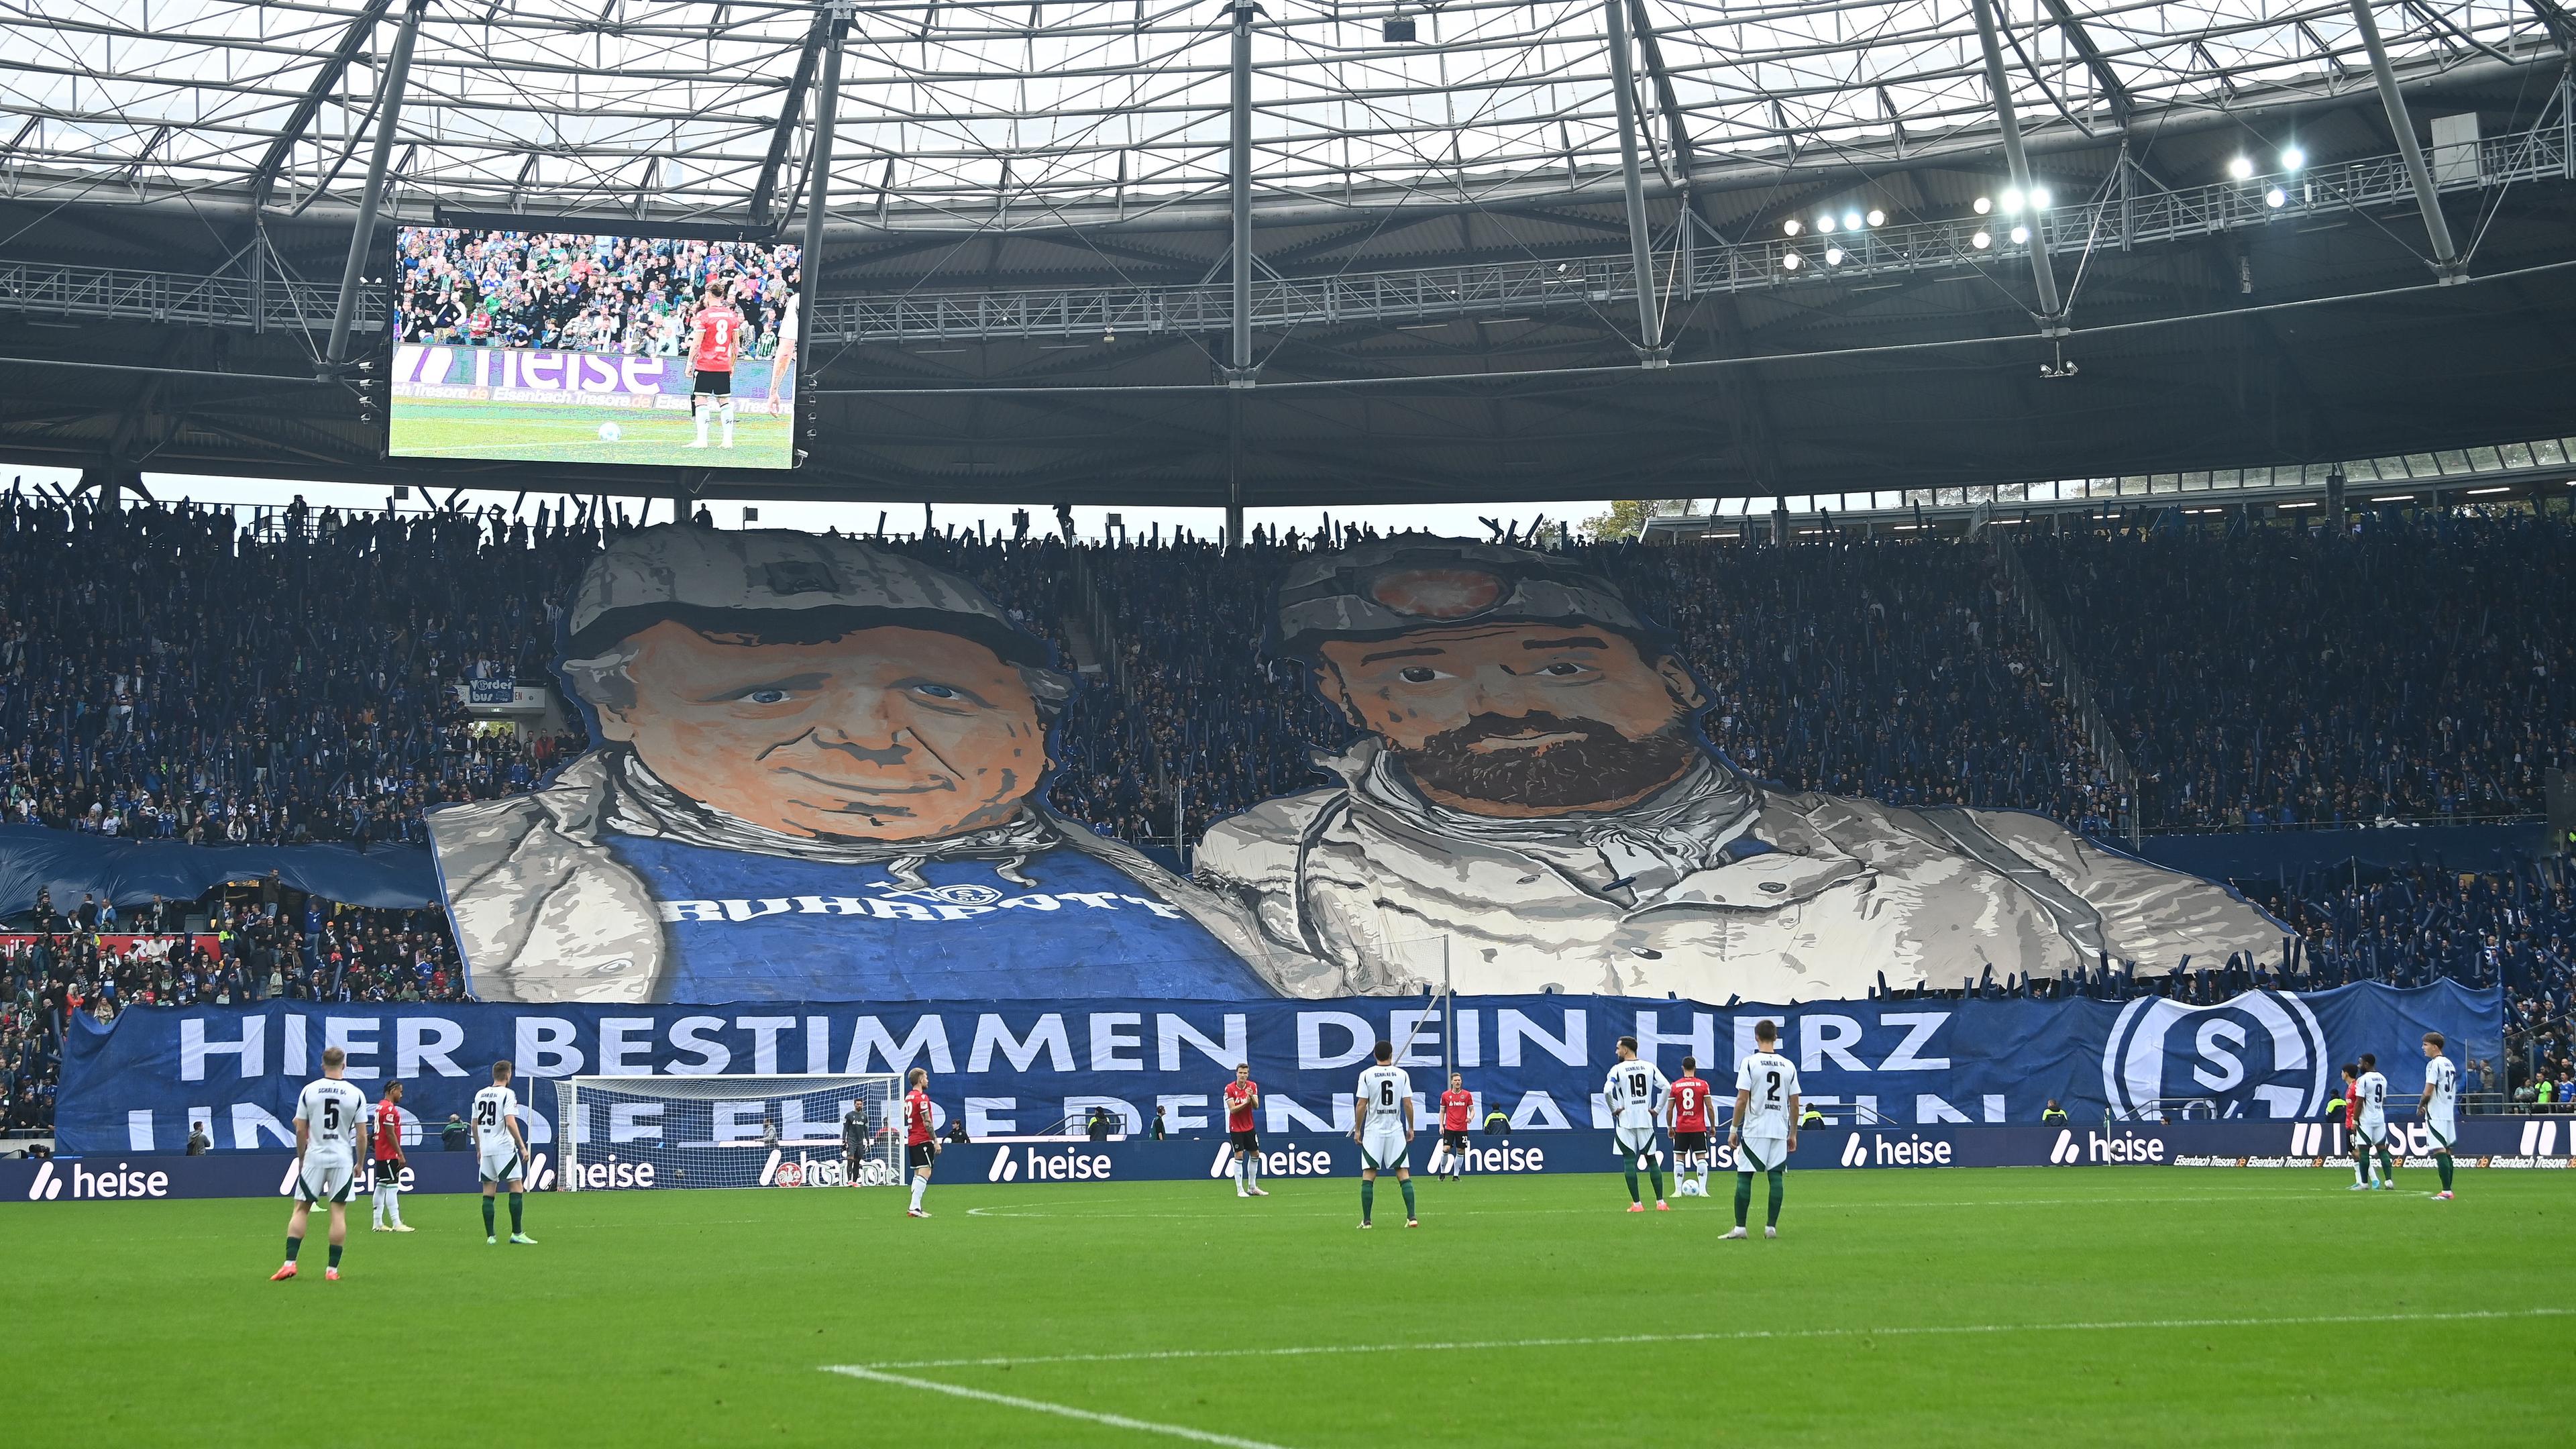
854 1142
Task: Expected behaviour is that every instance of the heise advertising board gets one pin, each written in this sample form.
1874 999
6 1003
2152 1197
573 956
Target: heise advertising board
1019 1068
584 347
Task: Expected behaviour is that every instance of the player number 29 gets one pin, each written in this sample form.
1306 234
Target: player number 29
483 1114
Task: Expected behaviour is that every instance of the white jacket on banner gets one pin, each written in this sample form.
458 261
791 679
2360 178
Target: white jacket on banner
1715 888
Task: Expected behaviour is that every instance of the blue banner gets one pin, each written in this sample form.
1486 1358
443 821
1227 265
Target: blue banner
130 872
1020 1068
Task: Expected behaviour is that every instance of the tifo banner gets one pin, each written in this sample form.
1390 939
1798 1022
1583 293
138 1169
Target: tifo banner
149 948
131 872
1017 1068
548 375
821 774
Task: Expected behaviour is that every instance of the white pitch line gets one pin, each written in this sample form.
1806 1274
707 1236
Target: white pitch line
1041 1406
1021 1210
1743 1335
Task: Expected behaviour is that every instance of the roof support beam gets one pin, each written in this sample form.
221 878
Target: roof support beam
309 105
809 258
362 241
1667 100
2051 313
1623 80
2446 256
1239 194
765 191
2561 25
2104 78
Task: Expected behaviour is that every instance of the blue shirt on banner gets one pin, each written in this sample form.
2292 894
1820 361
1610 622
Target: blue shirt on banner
748 927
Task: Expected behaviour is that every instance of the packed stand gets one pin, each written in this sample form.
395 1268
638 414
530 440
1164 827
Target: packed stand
2261 679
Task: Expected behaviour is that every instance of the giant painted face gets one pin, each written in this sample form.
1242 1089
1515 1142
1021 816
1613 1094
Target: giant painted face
882 734
1520 720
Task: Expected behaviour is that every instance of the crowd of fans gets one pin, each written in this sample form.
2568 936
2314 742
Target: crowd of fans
88 960
169 672
2260 678
629 295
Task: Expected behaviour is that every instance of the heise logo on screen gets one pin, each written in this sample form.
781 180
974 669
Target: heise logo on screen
2105 1149
2259 1055
1039 1164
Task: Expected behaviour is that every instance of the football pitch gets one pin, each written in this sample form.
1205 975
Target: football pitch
2097 1306
537 433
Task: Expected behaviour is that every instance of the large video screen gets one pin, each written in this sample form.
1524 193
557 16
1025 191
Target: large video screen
582 347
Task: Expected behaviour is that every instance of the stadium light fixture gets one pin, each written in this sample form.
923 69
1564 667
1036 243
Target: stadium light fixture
1791 262
2020 234
1984 204
1982 240
1397 30
2292 158
1876 217
1833 256
2500 488
2396 498
2276 198
2242 168
1792 226
1825 224
1851 221
2012 201
2039 198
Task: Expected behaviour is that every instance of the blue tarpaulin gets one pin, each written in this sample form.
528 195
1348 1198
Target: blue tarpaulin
131 872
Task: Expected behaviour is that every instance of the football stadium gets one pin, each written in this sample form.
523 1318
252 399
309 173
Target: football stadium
1288 725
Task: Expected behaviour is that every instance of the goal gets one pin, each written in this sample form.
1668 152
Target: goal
725 1131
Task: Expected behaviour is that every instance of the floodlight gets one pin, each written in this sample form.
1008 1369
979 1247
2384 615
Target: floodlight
2276 198
2039 198
1982 240
2292 158
1825 224
2020 234
1789 263
2240 168
2012 201
1833 256
1792 226
1985 204
1876 217
1851 221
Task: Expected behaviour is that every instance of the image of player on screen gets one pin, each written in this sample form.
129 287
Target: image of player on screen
715 334
782 366
821 776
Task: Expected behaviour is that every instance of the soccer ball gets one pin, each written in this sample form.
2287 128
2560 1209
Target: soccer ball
608 432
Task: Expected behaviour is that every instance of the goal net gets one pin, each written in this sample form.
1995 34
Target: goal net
727 1131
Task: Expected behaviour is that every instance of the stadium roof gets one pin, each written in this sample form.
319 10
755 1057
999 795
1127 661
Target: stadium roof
1011 114
1024 277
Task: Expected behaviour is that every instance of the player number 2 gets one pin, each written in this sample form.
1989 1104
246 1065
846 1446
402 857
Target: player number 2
1773 1095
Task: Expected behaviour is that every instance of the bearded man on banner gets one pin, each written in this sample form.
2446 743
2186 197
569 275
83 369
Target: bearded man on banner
1532 786
820 776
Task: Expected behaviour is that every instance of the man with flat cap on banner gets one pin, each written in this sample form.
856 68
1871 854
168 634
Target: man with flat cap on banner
1532 786
819 776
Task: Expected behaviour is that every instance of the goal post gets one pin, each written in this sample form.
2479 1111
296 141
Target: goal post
726 1131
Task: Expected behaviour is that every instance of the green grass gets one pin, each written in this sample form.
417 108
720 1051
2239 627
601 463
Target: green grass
537 433
1897 1308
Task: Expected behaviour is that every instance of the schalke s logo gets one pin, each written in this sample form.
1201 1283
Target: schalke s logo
2261 1054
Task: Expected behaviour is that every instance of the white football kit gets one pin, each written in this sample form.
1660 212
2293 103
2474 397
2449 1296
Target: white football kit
1762 1133
1634 1092
499 1154
2441 1110
333 1113
2373 1091
1384 1091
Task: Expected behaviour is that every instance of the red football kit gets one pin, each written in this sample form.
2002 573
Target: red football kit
916 1117
1455 1104
719 332
388 1132
1690 1105
1238 1106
